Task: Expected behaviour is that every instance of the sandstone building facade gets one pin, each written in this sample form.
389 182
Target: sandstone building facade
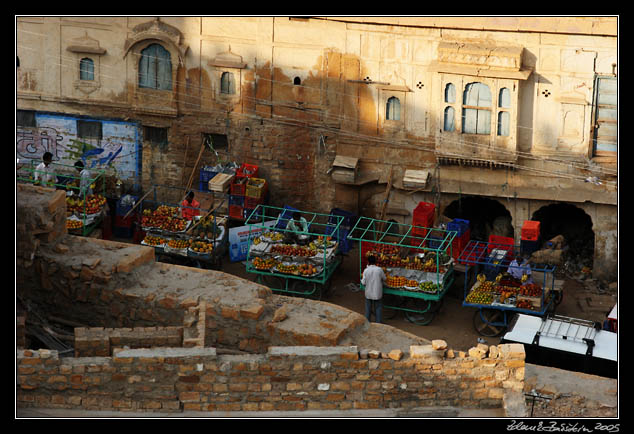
514 118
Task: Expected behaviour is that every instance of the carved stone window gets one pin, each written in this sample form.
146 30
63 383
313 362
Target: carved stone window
227 69
87 53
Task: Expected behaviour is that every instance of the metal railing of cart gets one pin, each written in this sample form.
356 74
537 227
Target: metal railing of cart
281 272
495 294
171 198
414 249
77 204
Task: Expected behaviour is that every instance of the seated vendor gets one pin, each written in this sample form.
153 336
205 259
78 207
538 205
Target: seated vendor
189 207
295 227
517 271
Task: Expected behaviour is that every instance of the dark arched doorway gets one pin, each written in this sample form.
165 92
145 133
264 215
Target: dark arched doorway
574 225
486 216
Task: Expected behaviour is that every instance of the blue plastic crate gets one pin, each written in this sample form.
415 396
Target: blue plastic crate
236 200
458 225
286 215
349 219
124 209
205 177
528 247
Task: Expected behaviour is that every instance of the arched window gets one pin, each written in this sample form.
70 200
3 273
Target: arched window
503 123
297 81
155 68
504 117
450 93
504 99
393 109
227 83
476 110
86 69
449 124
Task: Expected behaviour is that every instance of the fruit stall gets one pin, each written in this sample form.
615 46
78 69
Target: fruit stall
417 261
201 241
497 291
293 262
85 210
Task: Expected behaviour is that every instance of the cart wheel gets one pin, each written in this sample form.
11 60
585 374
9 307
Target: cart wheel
558 296
391 305
425 311
489 322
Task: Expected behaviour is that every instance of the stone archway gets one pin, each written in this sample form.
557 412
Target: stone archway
575 225
486 216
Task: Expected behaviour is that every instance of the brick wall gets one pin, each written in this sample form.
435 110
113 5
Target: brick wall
282 379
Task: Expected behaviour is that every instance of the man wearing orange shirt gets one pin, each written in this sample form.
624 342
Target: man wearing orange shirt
190 207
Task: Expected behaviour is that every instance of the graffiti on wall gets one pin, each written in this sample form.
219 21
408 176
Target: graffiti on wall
118 147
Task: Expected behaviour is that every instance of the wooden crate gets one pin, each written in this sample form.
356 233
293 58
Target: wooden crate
220 183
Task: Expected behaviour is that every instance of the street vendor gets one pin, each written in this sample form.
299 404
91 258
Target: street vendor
44 172
295 227
517 270
190 207
84 179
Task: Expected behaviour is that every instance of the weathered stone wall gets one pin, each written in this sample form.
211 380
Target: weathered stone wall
282 379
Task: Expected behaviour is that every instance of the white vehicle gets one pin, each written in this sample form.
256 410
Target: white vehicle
566 343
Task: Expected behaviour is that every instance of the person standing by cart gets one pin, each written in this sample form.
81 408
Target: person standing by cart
84 179
373 278
44 172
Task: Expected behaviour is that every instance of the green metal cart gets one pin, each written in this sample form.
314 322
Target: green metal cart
278 268
406 250
67 178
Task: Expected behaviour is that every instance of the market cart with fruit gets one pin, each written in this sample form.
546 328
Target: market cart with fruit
85 209
200 242
417 261
497 291
302 268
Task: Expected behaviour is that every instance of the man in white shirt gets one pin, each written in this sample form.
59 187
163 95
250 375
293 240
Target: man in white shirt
44 172
373 278
518 271
84 179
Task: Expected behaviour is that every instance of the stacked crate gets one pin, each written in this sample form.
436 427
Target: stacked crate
124 226
241 201
463 235
423 217
530 237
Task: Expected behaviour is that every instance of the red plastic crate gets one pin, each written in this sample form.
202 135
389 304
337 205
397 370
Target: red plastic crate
423 216
239 185
236 212
500 243
248 171
459 243
530 230
472 254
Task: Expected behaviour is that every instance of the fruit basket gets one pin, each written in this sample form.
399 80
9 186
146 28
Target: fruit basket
177 246
154 239
74 225
200 248
264 264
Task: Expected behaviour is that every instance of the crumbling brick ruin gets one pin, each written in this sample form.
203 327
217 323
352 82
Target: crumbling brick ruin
161 337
